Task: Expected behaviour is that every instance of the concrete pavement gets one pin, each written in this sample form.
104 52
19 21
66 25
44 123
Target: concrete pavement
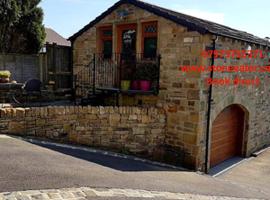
254 173
26 166
86 193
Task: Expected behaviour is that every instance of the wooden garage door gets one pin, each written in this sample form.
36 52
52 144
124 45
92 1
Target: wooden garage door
227 135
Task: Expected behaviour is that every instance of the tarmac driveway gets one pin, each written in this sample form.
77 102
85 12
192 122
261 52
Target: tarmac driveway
25 166
253 173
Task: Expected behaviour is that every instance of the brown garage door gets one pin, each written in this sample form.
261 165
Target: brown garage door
227 135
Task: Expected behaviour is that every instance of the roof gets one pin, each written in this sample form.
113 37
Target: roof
192 23
54 37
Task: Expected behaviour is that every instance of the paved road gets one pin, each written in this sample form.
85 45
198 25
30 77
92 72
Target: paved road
86 193
27 166
253 173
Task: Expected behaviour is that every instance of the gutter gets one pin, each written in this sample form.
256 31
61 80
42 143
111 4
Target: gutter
210 100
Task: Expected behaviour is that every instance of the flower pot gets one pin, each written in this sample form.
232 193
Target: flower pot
145 85
125 84
135 85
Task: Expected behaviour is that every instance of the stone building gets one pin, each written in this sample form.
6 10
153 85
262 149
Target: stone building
237 121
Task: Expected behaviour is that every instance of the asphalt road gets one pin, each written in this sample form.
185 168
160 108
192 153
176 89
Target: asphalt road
25 166
254 173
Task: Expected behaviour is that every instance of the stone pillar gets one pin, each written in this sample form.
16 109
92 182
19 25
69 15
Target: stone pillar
139 37
114 38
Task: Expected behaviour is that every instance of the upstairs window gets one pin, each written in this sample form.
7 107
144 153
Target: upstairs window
106 42
149 39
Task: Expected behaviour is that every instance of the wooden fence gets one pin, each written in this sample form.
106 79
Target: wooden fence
56 65
53 67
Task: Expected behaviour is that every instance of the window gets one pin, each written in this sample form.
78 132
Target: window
150 47
107 48
106 41
149 39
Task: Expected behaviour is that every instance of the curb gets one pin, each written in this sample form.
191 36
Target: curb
256 154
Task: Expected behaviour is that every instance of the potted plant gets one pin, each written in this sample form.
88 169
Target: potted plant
135 84
145 85
146 73
125 82
4 76
125 85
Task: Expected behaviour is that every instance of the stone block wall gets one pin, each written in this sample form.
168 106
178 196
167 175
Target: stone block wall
183 95
179 92
130 129
255 100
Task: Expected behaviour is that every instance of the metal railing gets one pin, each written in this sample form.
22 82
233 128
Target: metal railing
104 72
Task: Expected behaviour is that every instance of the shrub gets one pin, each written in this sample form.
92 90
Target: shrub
5 74
146 71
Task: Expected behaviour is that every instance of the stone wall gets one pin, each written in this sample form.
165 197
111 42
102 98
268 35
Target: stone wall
254 100
183 95
179 92
129 129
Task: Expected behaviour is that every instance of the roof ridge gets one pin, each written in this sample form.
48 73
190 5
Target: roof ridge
53 36
192 23
197 18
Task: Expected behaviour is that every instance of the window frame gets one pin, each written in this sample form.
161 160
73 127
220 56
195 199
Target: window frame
149 35
104 38
120 29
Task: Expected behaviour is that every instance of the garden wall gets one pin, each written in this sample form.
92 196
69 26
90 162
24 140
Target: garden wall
22 67
130 129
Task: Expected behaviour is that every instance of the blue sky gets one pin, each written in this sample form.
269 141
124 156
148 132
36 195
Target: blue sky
68 16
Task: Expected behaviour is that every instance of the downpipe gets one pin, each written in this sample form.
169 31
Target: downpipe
214 40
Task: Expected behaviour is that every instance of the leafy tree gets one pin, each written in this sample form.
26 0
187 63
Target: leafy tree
21 28
9 17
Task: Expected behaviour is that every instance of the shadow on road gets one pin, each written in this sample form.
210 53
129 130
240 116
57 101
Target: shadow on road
111 161
225 166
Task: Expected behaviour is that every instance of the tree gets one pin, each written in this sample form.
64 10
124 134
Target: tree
21 28
9 16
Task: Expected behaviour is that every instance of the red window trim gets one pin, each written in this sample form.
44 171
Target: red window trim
120 29
103 38
148 35
105 28
144 35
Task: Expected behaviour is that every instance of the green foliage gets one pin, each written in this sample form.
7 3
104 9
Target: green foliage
5 74
146 71
21 28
